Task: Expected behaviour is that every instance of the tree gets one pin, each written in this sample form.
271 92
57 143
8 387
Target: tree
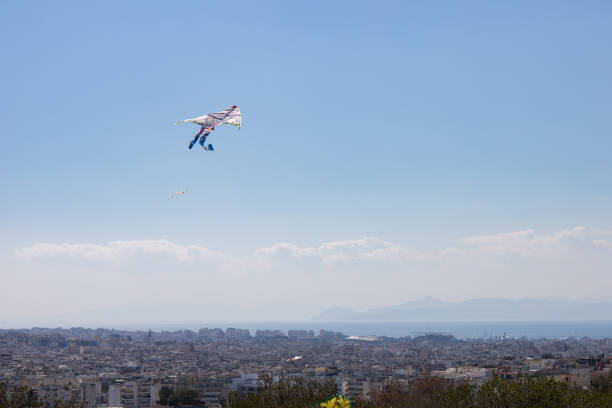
18 397
164 395
431 392
25 397
602 383
184 396
284 393
181 396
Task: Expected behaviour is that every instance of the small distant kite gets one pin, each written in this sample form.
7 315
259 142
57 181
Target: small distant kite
295 358
229 116
336 401
177 193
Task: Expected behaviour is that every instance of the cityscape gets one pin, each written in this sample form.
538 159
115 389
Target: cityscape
110 368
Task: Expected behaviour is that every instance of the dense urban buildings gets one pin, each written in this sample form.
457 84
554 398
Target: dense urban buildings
109 368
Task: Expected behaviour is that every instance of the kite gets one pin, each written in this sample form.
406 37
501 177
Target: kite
294 358
177 193
229 116
336 401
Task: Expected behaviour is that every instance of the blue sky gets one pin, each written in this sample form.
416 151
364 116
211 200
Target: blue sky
418 124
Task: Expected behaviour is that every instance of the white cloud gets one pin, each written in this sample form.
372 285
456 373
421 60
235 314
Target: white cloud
522 243
476 249
600 243
364 249
117 250
368 249
527 241
286 248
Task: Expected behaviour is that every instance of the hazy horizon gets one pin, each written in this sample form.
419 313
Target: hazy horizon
192 316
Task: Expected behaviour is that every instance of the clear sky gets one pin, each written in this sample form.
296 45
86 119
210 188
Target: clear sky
389 151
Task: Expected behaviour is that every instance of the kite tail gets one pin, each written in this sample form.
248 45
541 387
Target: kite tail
203 139
195 139
197 136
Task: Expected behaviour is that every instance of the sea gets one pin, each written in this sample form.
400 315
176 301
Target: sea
597 329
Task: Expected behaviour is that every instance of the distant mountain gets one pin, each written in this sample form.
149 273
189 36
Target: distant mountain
336 313
477 309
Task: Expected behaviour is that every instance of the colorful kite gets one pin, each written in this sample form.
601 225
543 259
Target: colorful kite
229 116
177 193
337 401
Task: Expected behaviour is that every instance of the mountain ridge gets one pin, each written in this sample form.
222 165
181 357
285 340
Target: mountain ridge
430 308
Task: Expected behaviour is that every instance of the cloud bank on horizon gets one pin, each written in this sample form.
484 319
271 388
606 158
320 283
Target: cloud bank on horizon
304 279
525 243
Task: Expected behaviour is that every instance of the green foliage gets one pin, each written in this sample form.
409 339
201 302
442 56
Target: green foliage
602 383
429 392
18 397
284 393
528 392
68 404
181 396
164 395
24 397
524 392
